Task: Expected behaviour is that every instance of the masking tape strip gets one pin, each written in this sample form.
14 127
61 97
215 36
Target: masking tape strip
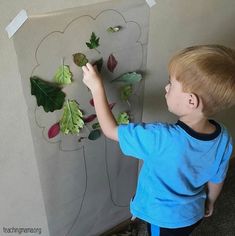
151 3
16 23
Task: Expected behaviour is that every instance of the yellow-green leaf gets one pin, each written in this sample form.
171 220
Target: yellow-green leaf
123 118
126 92
113 29
63 75
71 121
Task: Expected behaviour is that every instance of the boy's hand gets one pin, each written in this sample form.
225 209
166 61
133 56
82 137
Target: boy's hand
91 77
209 208
213 191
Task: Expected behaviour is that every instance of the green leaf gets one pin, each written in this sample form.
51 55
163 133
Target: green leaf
80 59
47 94
129 78
94 41
63 75
123 118
98 64
96 126
126 92
94 134
71 121
114 29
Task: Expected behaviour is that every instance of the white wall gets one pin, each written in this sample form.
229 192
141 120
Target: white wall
174 24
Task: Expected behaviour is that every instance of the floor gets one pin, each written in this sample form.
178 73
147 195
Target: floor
221 223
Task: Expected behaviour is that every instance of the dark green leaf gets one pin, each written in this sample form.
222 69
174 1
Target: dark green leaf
89 45
94 134
98 64
94 41
47 94
80 59
96 126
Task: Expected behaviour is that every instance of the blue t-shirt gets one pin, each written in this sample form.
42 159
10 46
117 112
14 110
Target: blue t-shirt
177 164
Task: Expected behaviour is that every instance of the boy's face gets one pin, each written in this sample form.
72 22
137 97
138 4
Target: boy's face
177 100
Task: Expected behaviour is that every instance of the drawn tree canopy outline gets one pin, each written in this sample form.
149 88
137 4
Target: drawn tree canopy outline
131 53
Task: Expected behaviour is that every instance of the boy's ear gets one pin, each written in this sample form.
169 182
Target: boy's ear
193 100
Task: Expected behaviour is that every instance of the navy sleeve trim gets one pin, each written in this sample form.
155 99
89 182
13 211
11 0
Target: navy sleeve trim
200 136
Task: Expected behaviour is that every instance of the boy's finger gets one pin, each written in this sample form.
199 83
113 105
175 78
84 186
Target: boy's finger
84 68
89 66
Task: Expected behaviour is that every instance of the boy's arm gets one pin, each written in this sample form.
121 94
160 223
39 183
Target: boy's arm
105 117
212 194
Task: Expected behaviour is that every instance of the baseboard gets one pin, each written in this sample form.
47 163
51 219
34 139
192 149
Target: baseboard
117 228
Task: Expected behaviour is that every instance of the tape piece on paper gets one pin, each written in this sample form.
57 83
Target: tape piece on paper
16 23
151 3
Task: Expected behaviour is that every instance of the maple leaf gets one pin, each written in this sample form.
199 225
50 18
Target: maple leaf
94 42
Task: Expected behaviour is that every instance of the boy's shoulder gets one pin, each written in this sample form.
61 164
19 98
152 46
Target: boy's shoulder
175 130
157 129
155 126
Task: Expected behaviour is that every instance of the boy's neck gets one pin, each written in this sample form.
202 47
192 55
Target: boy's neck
199 124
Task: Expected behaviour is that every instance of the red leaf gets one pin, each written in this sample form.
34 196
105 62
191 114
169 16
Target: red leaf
89 118
111 105
112 63
92 102
54 130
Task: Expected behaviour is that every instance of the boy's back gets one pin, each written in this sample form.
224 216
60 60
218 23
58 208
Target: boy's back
178 162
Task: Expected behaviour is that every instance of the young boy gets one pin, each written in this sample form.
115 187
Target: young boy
184 164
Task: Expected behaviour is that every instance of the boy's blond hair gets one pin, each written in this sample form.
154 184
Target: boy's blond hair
208 71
